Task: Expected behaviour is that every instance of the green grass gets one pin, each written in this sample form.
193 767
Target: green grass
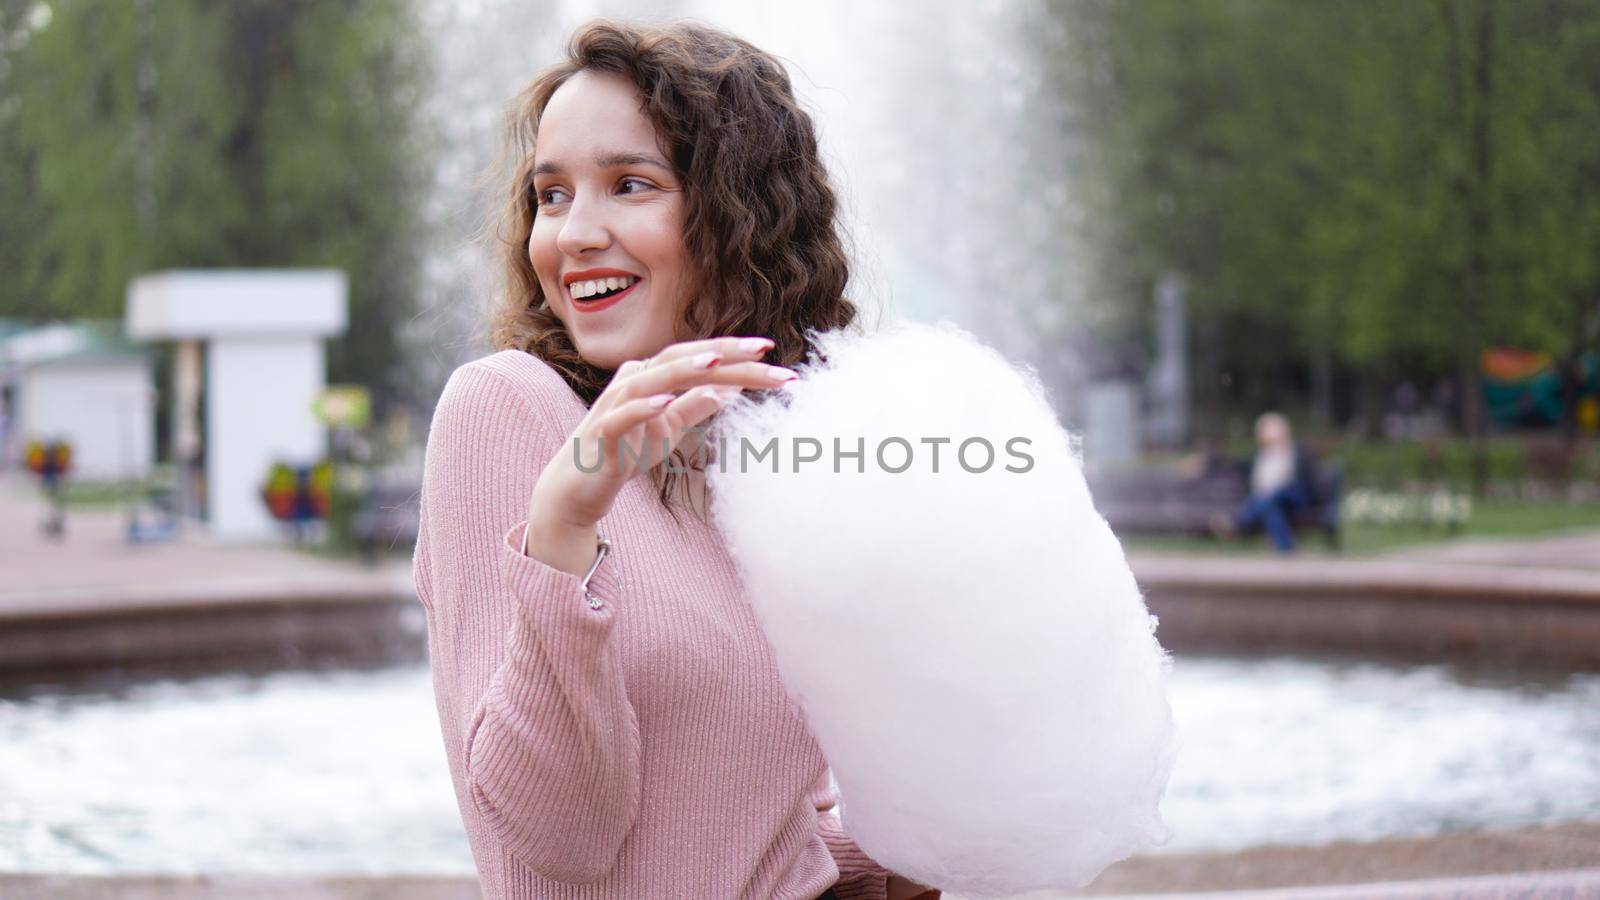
100 494
1490 518
88 495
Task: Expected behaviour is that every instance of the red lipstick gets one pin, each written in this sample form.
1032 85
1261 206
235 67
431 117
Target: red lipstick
588 274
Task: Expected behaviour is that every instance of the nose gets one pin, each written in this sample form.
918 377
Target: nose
583 228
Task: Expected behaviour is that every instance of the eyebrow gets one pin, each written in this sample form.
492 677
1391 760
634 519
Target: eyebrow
607 161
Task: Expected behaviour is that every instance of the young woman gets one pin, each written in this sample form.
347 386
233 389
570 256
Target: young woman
612 714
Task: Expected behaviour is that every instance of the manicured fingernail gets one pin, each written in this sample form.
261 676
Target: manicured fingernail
782 374
660 400
707 360
755 345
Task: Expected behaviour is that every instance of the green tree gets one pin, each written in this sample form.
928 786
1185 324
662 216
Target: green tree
1356 191
217 133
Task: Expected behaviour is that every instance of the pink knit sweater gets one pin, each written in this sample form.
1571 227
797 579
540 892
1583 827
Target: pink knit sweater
642 749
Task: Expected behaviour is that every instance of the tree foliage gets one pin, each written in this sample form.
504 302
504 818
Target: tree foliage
1362 190
153 134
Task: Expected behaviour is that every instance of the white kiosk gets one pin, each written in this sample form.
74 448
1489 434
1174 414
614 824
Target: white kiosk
263 332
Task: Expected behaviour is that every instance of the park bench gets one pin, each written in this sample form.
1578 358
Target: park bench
1145 501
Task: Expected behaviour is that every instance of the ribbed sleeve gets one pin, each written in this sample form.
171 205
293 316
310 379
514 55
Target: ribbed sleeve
529 681
860 876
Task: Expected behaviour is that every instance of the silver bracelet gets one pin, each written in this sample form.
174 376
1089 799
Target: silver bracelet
602 547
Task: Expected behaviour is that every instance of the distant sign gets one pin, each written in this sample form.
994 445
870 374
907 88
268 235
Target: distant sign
344 406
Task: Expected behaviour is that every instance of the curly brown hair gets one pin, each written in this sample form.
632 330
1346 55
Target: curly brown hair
760 231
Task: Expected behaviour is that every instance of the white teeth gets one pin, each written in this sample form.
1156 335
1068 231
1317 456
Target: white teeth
581 289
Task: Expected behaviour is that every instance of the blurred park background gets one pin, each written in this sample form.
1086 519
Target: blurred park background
237 263
1377 218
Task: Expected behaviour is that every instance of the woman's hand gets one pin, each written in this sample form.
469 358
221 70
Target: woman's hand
635 424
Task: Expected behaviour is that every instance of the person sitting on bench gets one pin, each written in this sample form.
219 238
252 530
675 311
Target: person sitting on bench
1283 479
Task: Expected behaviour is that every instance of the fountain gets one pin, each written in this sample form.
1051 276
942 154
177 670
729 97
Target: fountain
956 164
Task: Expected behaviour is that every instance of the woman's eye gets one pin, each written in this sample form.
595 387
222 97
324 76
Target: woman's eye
552 196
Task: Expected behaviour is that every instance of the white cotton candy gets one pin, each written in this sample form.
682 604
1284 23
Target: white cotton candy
969 649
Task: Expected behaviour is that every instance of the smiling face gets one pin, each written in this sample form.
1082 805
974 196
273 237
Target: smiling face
609 222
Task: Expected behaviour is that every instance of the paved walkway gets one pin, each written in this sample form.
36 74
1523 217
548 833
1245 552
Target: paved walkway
1515 602
1568 562
1469 864
1570 551
91 602
1463 573
95 568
